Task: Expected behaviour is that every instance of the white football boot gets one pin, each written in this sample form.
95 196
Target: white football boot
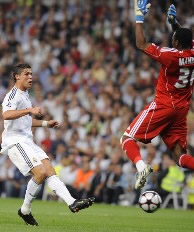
141 177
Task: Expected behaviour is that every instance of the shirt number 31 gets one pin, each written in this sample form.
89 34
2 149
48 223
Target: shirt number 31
187 75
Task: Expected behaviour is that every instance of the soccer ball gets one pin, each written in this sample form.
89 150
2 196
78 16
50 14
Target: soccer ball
150 201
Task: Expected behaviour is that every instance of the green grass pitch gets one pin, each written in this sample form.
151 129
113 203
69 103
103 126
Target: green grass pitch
56 217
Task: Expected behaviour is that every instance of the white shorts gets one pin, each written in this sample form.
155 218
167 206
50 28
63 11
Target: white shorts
26 155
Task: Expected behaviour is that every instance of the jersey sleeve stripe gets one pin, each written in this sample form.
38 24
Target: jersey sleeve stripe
166 49
12 94
23 153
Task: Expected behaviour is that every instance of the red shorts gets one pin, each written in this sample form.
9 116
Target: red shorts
156 119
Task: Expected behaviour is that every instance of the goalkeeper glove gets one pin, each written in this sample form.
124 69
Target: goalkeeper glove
141 9
171 14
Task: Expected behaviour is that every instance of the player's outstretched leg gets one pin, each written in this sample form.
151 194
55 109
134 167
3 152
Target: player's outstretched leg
28 218
61 190
131 148
141 177
81 204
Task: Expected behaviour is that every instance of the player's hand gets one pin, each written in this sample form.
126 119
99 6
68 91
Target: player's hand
52 124
141 9
171 14
36 111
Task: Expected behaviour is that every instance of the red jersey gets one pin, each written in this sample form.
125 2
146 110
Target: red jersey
176 77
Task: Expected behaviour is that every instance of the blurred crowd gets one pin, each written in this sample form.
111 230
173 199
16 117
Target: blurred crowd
88 75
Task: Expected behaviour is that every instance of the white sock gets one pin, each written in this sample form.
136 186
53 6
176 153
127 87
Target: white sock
140 165
60 189
31 192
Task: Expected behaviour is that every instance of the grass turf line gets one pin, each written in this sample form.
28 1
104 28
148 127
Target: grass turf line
56 217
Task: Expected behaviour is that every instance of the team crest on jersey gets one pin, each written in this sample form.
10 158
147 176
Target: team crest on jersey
35 160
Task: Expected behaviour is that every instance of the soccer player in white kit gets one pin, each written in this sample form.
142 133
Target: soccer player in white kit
17 143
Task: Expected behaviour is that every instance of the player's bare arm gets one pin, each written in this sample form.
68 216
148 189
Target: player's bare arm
15 114
171 17
141 9
41 123
140 37
175 26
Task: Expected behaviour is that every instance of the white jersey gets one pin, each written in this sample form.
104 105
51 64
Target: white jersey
16 130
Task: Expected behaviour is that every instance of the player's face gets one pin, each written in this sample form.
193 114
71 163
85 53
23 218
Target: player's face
25 79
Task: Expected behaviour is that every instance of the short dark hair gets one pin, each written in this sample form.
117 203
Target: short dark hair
19 68
184 37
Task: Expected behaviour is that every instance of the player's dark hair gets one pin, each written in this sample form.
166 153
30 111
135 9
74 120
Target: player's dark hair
184 37
17 70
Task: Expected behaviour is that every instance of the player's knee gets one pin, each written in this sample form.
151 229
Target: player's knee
123 139
41 175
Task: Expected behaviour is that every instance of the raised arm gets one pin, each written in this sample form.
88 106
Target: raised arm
155 52
140 37
171 17
141 9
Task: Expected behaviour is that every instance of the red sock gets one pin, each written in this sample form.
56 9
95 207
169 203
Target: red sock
187 161
132 150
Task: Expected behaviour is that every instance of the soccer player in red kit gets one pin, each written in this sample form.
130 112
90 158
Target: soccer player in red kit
166 115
